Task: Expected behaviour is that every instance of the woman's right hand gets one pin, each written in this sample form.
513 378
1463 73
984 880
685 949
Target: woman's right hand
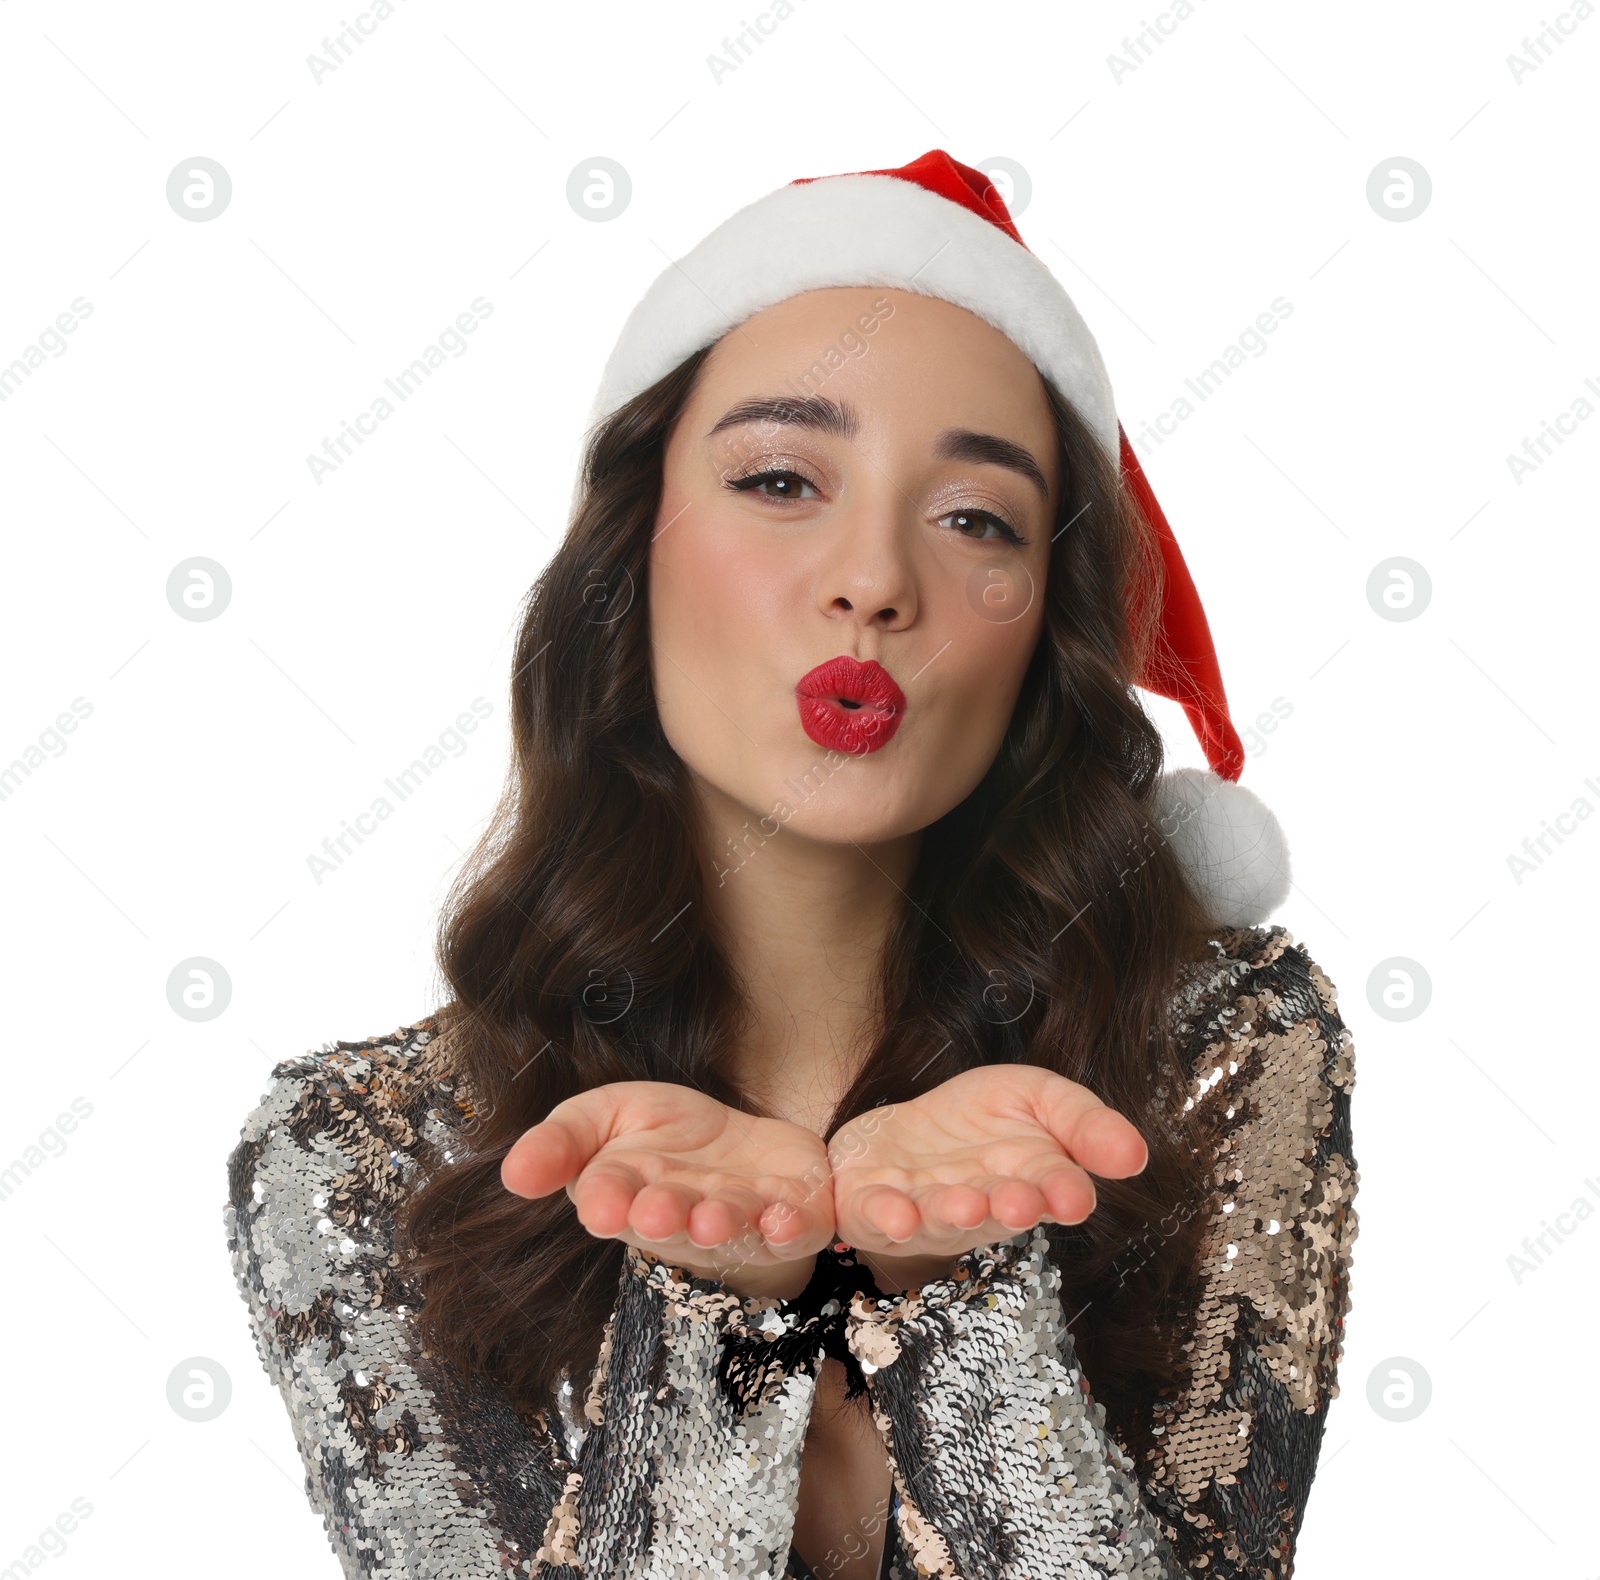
732 1197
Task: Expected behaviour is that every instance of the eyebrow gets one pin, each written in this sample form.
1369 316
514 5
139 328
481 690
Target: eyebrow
804 411
962 444
823 415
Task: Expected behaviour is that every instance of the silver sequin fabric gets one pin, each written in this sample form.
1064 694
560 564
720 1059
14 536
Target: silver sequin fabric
1002 1462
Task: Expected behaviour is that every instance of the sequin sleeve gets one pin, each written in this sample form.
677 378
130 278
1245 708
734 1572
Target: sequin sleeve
1003 1462
413 1471
699 1403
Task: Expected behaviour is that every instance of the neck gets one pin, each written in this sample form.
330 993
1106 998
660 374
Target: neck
803 922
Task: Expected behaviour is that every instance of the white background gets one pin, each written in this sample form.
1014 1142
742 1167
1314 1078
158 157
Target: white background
1228 169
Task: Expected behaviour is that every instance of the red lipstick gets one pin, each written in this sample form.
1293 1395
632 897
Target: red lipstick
850 706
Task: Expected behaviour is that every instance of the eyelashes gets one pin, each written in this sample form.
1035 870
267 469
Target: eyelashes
794 483
1006 531
774 474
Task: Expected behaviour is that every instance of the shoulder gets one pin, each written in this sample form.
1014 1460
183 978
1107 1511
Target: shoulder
1256 984
1270 1062
333 1142
381 1088
404 1456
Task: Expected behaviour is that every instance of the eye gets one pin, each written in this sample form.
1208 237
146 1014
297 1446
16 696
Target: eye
776 484
975 524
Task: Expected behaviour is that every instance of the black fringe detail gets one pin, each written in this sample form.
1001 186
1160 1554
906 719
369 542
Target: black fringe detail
752 1363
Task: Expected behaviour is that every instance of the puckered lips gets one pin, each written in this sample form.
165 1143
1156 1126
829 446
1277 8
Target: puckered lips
849 706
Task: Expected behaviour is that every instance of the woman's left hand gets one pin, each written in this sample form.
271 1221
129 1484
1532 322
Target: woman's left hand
981 1157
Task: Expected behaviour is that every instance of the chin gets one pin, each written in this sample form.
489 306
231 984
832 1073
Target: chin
852 824
861 801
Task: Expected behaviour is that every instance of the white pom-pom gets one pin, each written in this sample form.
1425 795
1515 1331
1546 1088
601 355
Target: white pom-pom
1228 842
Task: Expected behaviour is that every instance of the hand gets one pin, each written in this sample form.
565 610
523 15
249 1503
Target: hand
671 1170
986 1154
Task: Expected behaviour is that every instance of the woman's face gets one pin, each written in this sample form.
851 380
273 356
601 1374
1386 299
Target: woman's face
860 474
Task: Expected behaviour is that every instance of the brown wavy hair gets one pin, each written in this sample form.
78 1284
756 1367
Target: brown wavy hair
1047 923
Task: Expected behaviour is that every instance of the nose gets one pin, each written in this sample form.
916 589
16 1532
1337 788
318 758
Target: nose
867 574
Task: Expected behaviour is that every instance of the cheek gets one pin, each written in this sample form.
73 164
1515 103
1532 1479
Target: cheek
720 603
978 690
712 592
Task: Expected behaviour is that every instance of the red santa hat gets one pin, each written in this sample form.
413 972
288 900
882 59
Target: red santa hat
939 228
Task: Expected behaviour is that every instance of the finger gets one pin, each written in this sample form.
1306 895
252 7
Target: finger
788 1224
604 1195
555 1151
948 1208
886 1211
1093 1135
1069 1194
543 1159
1016 1204
723 1216
662 1210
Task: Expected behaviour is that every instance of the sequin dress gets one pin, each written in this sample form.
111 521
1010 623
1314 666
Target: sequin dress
681 1454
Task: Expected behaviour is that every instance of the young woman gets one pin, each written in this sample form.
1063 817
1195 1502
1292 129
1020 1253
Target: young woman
867 1134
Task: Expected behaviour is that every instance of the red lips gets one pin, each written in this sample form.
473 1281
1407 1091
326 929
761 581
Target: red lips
849 706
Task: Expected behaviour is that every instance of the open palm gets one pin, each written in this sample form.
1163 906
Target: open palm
673 1171
986 1154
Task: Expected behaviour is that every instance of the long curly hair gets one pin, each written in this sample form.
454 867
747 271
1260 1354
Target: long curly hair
1047 923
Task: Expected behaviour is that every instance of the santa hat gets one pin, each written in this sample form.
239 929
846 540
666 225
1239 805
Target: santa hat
939 228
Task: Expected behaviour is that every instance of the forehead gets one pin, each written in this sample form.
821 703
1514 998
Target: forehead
898 358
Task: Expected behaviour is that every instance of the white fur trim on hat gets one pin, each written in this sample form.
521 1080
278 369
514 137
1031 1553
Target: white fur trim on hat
1228 842
859 230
